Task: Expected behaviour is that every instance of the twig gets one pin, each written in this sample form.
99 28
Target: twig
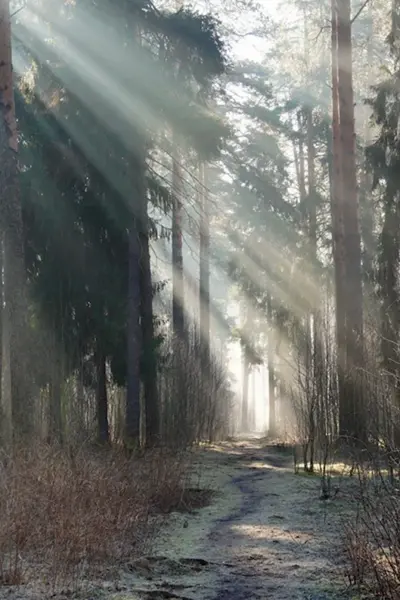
320 31
359 11
17 11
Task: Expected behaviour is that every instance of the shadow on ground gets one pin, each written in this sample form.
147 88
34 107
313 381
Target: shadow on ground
266 535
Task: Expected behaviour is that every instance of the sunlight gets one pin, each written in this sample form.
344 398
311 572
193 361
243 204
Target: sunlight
272 533
199 298
96 75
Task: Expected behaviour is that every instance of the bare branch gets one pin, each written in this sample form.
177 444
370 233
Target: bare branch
358 13
18 10
323 28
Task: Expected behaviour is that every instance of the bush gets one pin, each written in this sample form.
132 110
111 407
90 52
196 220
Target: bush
65 515
372 540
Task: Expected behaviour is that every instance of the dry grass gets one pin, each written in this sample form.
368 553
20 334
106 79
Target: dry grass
372 539
64 516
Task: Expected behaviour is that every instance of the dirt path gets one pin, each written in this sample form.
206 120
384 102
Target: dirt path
266 535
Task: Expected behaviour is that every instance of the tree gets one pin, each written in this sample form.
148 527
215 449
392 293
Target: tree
204 287
352 414
17 394
383 160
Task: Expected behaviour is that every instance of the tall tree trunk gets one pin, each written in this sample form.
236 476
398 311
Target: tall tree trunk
301 170
389 269
367 205
80 399
1 316
338 227
280 408
132 417
272 425
149 361
315 325
205 283
245 392
353 424
252 402
55 394
311 185
181 406
103 433
178 309
6 396
178 320
18 398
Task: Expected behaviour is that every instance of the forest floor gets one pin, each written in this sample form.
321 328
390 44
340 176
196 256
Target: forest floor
265 535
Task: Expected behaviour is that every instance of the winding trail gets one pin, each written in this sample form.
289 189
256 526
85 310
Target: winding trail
266 535
245 578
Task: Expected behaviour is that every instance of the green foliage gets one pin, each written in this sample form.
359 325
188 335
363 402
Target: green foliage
383 159
81 175
194 40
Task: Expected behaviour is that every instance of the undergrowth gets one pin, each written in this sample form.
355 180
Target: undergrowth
372 538
63 515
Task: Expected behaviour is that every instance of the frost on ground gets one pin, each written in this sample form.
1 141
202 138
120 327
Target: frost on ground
266 534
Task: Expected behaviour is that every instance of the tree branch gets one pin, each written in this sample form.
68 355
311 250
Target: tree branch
358 13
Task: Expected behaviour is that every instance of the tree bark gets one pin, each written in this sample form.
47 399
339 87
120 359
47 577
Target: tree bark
318 392
390 314
132 416
367 215
1 314
272 426
205 283
103 432
80 400
15 334
338 227
55 394
178 319
245 393
180 344
301 171
149 361
353 421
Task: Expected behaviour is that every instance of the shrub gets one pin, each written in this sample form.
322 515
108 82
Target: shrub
372 540
64 515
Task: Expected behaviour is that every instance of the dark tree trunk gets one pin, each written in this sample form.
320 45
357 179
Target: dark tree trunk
338 228
178 319
1 313
272 428
103 433
16 373
245 393
180 342
390 313
149 360
301 173
353 422
367 203
80 398
205 285
132 418
55 397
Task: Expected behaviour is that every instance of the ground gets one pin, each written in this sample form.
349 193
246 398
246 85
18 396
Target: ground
266 534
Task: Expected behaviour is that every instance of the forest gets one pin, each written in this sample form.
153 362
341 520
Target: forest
200 299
